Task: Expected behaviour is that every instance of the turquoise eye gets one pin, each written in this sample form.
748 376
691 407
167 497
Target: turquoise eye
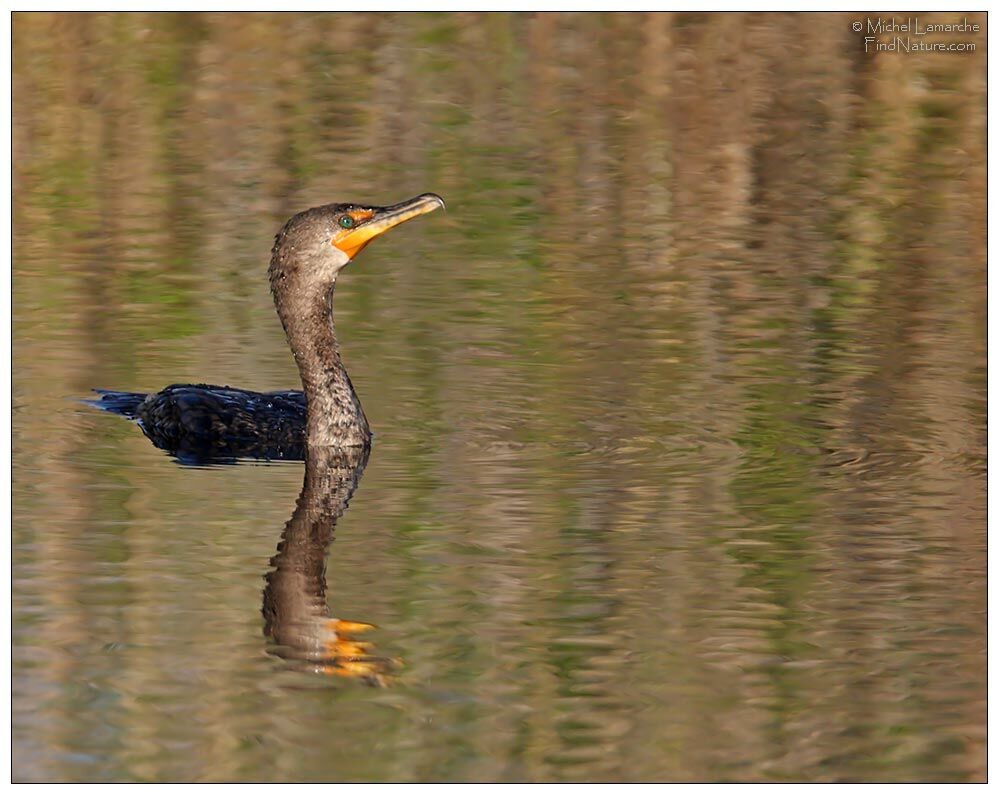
346 221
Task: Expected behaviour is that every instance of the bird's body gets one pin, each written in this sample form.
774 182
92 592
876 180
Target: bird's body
200 422
205 422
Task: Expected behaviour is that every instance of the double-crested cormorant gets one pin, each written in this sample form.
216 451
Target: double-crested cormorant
202 422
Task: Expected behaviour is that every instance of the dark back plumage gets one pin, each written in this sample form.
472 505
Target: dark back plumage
204 423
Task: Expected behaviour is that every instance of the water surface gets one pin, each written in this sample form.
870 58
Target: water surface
679 469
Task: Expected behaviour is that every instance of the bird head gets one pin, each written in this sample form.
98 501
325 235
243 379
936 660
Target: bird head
317 243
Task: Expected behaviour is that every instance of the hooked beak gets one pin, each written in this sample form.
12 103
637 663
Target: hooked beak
379 220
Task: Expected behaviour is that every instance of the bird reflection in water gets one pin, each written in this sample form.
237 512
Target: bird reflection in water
296 614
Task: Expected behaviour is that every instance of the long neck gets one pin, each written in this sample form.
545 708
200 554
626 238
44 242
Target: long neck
334 413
